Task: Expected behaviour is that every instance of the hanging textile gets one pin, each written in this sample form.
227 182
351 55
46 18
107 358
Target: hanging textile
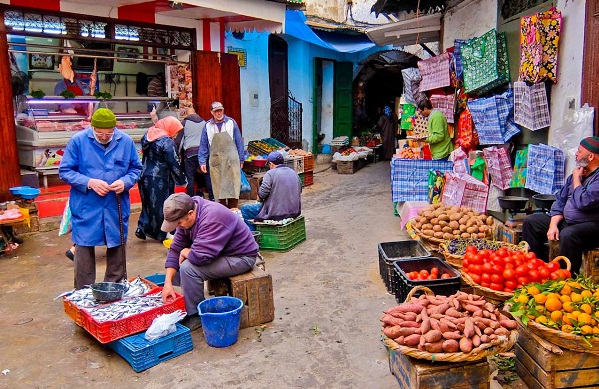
493 118
445 104
435 72
411 86
546 169
485 62
531 108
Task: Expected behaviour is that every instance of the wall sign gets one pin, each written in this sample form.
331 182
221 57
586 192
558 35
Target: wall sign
241 55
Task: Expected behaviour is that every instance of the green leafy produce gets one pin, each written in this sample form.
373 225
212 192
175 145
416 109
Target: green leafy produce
67 94
103 95
37 94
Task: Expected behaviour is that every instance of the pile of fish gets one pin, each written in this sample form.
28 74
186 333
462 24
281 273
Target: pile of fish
84 299
126 307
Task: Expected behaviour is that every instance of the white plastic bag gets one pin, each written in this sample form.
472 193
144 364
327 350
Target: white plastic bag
164 325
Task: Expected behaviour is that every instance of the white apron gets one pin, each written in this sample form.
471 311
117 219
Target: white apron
224 167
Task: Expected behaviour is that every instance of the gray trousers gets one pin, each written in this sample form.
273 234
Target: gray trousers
85 265
191 277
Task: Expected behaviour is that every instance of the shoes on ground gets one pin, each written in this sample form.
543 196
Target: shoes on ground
140 234
193 322
16 239
70 255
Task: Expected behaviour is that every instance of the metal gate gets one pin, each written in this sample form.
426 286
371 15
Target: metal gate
286 121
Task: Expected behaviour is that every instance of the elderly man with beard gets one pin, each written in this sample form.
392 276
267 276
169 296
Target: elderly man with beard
574 216
101 165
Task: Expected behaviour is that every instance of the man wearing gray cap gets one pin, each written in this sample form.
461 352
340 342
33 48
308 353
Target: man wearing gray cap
221 154
279 194
210 242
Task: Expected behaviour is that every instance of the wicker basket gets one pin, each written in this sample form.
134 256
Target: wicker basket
495 296
497 346
455 260
438 241
564 339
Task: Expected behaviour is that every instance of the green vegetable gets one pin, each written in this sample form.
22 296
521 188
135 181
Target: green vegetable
37 94
103 95
67 94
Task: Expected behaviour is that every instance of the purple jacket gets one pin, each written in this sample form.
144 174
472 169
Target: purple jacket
581 204
216 232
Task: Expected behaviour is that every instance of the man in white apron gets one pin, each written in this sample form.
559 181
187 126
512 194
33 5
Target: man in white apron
221 151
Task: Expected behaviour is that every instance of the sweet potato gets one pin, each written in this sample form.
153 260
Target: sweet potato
407 331
399 340
476 340
408 324
478 313
452 312
489 331
485 339
465 345
443 327
435 324
412 340
433 336
452 335
489 307
502 331
441 308
389 320
392 332
468 328
450 346
425 326
410 307
448 323
470 308
509 324
436 347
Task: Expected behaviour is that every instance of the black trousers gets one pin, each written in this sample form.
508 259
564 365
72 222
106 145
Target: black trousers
85 265
194 177
573 238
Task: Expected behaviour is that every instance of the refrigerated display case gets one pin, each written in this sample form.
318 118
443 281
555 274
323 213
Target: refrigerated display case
44 126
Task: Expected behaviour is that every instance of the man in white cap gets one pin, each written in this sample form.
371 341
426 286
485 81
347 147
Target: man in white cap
210 242
221 153
101 165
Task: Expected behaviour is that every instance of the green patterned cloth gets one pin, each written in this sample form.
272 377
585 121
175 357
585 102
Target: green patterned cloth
406 116
485 62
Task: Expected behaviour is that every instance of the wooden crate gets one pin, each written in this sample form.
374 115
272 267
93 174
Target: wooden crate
254 288
590 264
507 234
415 373
350 167
540 368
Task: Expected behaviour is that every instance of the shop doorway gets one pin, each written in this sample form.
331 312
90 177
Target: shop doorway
278 80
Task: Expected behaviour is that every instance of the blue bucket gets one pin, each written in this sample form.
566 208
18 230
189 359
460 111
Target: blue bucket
220 320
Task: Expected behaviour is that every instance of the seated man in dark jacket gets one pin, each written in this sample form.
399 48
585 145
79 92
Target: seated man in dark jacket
279 194
210 242
574 216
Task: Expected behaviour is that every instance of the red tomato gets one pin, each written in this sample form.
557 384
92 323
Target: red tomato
470 256
496 286
531 265
471 249
544 272
521 271
502 252
465 263
496 278
554 276
424 273
445 275
534 276
475 278
484 284
478 259
476 269
509 274
487 268
431 277
497 269
420 277
486 277
523 280
434 270
508 290
531 255
552 266
510 284
510 266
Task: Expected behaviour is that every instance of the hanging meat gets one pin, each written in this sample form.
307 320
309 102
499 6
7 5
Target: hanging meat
93 78
65 68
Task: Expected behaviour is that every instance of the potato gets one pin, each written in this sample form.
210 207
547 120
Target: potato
457 233
463 220
483 228
454 224
480 235
428 232
471 230
490 221
443 223
437 228
462 227
434 221
470 222
447 236
427 226
455 216
447 229
438 234
465 235
455 209
444 217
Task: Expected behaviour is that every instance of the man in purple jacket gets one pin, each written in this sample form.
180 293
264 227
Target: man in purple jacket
210 242
574 216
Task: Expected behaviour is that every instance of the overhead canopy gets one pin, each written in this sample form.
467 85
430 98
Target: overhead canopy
295 25
407 32
398 6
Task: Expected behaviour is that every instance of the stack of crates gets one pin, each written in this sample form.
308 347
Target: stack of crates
308 170
390 252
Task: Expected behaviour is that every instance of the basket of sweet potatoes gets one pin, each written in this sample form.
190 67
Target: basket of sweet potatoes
457 328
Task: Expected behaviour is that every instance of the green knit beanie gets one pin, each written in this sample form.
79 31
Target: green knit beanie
103 118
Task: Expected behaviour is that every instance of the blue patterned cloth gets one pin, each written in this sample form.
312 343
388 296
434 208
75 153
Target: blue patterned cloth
494 118
546 169
457 56
409 177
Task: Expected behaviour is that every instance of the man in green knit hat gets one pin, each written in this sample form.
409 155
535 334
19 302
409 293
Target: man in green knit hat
101 165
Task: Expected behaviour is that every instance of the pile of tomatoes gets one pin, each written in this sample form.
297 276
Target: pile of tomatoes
505 270
424 274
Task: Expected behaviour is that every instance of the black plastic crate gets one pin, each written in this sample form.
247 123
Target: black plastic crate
390 252
445 287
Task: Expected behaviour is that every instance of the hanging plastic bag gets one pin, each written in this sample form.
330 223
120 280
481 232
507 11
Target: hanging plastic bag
164 325
65 222
245 184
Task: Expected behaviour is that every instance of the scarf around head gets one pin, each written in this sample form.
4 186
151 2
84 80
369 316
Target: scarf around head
167 126
387 111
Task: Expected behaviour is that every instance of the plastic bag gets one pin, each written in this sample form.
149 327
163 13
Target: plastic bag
164 325
65 222
245 184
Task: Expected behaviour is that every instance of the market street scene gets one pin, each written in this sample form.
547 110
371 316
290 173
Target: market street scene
299 194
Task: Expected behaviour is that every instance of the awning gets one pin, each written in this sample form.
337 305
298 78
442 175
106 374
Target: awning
295 26
408 32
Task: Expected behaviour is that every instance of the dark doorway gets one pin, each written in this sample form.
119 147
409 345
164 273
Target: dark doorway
277 73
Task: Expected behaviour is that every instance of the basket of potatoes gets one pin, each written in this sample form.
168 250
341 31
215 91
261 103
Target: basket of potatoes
437 223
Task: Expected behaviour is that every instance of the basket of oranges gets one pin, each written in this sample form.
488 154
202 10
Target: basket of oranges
564 312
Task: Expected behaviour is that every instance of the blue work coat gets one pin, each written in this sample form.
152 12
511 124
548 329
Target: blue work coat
95 219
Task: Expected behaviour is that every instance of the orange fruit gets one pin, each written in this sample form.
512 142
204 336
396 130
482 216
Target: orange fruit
556 316
522 299
575 314
567 319
540 298
554 295
553 304
541 319
564 298
533 290
586 329
584 318
586 308
567 328
595 330
568 306
576 297
586 293
566 290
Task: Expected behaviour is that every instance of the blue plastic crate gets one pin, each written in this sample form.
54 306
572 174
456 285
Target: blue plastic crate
157 278
142 354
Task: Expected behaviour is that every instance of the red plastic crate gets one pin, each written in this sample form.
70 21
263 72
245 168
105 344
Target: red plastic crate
308 163
308 178
74 312
108 331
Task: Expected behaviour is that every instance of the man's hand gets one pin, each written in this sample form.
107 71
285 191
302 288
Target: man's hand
168 291
203 168
99 186
553 233
183 255
577 175
118 186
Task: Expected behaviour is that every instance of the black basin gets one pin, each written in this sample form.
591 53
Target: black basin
514 203
108 291
544 201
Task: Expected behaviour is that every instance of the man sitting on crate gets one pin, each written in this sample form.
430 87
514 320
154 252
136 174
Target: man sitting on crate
279 195
210 242
574 216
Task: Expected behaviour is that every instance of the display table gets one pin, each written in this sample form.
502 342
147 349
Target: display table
376 153
7 240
